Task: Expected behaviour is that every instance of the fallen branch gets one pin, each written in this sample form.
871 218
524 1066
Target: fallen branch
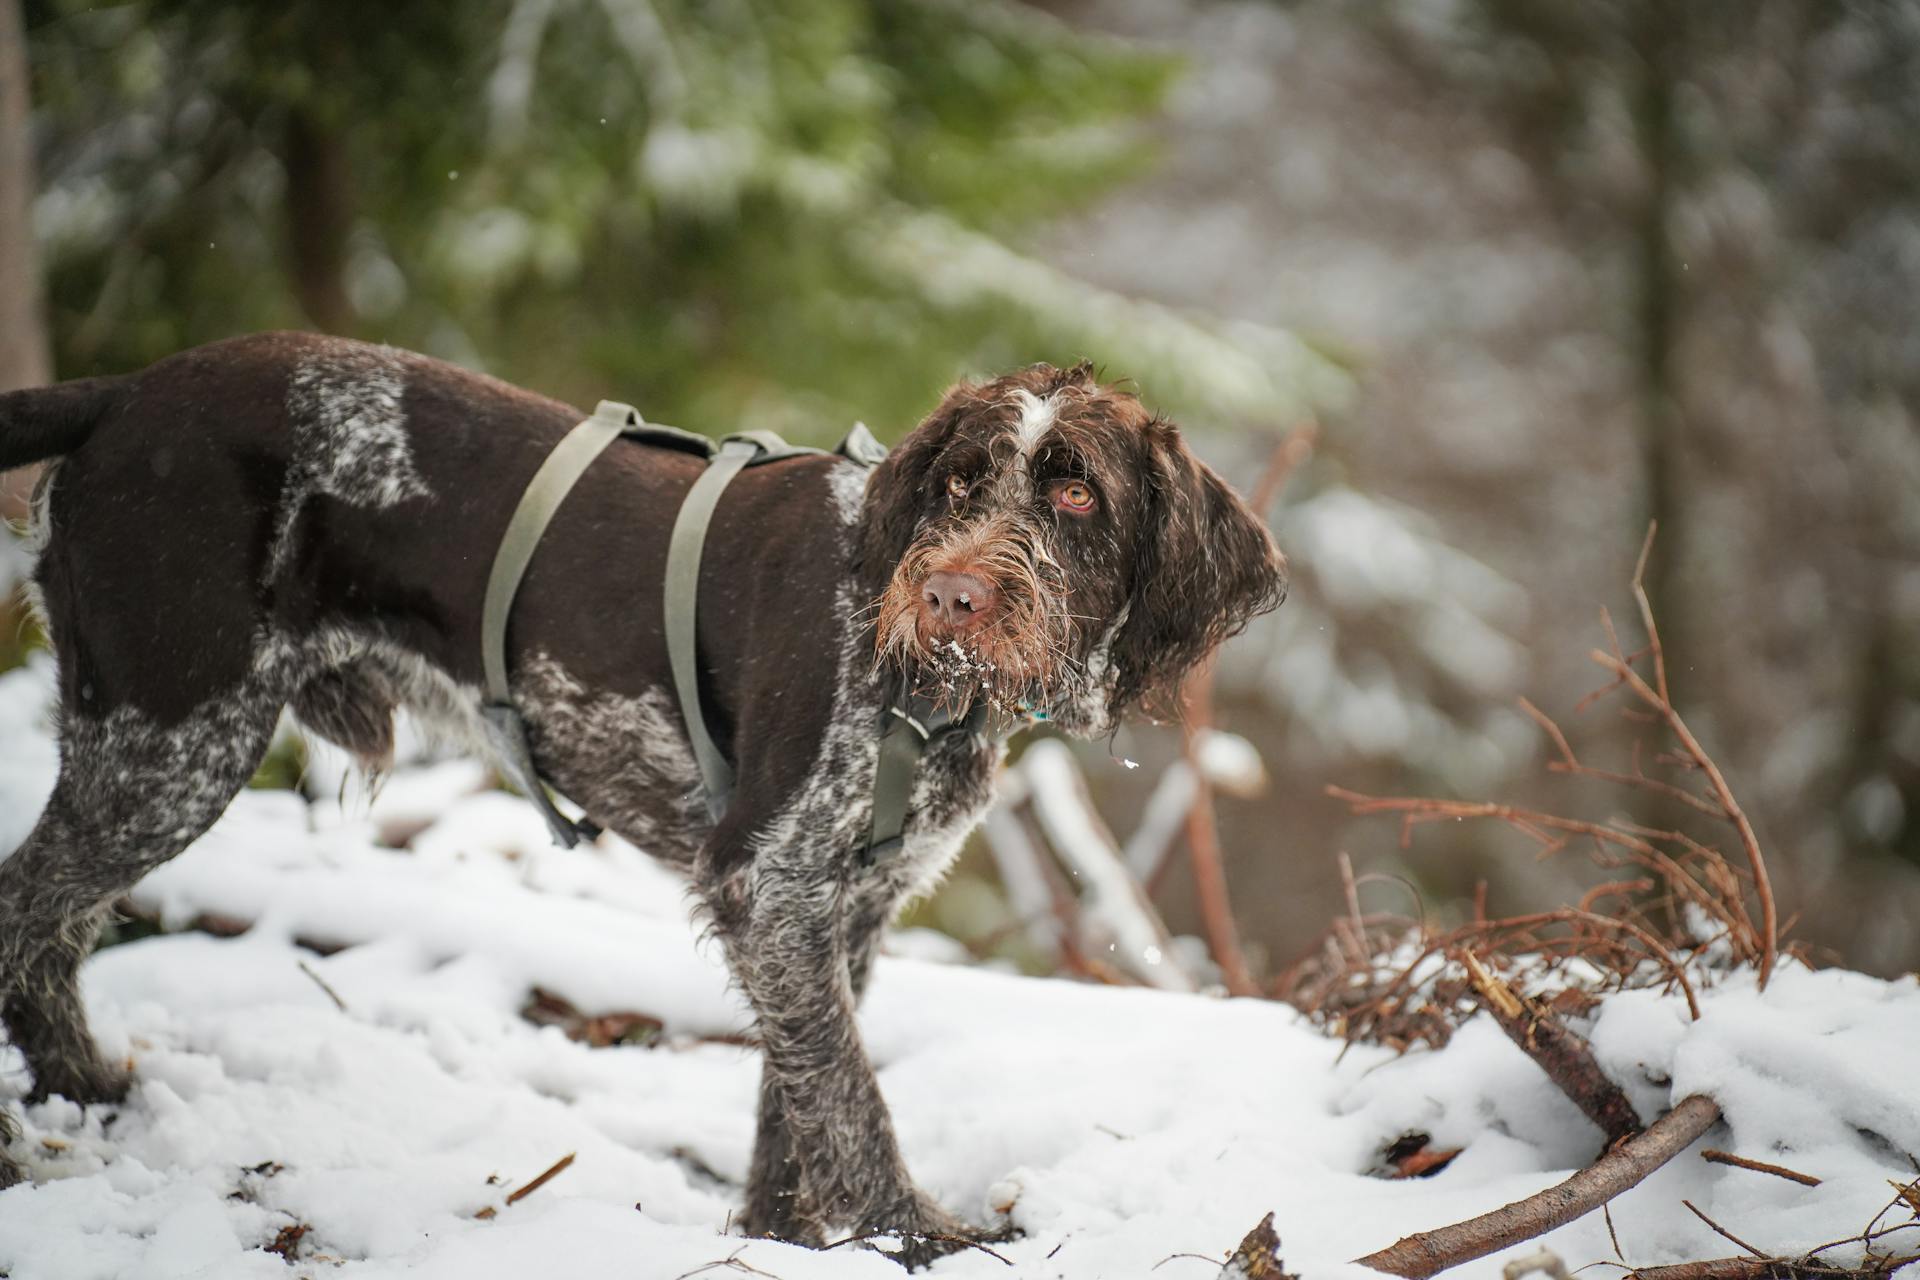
1717 1269
1758 1166
1625 1166
1566 1057
1872 1268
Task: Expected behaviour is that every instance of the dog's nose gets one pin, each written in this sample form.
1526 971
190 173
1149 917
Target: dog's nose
962 601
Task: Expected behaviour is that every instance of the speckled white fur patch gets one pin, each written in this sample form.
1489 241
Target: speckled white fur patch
847 482
350 431
1036 419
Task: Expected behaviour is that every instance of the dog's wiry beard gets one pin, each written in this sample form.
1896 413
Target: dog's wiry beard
1015 661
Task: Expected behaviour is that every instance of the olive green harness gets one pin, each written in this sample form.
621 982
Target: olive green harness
906 730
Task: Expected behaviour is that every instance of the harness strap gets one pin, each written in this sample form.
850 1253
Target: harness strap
905 735
545 492
682 591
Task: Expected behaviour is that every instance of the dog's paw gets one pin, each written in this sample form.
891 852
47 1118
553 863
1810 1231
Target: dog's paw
921 1233
87 1083
11 1171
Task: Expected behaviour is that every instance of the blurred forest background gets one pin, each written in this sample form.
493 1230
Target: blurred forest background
1540 271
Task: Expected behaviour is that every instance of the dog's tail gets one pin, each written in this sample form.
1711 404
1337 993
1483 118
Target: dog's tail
49 422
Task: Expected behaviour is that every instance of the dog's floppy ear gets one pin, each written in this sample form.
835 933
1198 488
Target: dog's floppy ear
1204 566
896 491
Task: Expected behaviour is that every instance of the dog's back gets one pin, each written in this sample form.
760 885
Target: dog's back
272 484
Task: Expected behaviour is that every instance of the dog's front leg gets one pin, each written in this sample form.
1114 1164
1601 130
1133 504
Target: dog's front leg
825 1154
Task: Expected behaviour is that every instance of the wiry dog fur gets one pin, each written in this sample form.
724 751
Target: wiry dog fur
295 520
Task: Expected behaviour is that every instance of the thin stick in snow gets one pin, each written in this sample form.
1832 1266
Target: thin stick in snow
554 1170
321 983
1759 1166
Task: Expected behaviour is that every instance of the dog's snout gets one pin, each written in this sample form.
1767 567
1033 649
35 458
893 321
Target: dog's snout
961 601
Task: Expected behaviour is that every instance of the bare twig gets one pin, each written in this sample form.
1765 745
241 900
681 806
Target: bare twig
1354 932
554 1170
1203 835
1876 1267
1626 1165
1569 763
1287 457
1719 1230
729 1263
321 983
1646 612
1758 1166
1729 1269
1756 863
1203 847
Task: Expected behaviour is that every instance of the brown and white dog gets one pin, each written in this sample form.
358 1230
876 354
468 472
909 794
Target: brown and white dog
288 519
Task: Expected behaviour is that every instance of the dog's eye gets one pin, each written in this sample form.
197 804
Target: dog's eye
1073 495
957 487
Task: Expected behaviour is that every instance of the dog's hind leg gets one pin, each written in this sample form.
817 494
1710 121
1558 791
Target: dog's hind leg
131 794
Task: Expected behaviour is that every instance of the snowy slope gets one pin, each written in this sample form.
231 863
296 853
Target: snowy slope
1122 1127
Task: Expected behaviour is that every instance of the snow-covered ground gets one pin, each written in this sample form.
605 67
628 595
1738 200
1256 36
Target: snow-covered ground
1120 1128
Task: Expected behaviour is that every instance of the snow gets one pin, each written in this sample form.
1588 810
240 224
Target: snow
1117 1126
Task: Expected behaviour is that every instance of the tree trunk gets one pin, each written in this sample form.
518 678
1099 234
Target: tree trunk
1659 38
25 357
319 219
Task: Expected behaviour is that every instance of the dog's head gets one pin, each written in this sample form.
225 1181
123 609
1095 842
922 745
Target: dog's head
1050 546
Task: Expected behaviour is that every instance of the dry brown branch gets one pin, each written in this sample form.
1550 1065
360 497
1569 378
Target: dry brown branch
1646 611
1570 764
1566 1058
1721 1231
1676 905
1203 835
1626 1165
554 1170
1203 848
1398 999
1756 862
1354 930
1287 457
1726 1269
1758 1166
